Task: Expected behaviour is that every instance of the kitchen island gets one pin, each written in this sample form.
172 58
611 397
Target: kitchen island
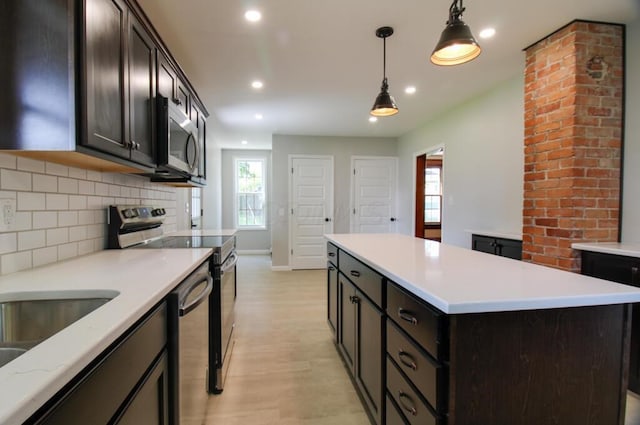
463 337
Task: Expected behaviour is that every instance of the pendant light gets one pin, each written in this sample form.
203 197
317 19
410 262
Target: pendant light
457 45
384 106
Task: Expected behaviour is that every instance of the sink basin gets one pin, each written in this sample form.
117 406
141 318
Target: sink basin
28 319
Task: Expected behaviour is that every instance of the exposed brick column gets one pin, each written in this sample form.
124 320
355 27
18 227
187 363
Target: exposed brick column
573 141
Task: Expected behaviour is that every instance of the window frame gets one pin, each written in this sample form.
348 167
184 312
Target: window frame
433 164
236 193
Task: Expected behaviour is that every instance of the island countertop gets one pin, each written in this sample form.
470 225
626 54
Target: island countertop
137 279
457 280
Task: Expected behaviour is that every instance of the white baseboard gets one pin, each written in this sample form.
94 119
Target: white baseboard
253 251
280 268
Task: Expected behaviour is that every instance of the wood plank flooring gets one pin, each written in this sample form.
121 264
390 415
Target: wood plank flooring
285 369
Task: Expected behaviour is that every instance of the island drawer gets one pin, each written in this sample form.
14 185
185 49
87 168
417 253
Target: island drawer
368 280
428 376
424 324
332 253
413 407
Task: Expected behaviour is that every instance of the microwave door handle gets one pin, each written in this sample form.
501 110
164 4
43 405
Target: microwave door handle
193 165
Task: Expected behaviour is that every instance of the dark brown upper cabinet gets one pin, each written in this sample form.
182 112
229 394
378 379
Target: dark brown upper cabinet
81 79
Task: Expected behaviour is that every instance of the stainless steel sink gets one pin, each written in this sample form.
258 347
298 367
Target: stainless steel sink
24 323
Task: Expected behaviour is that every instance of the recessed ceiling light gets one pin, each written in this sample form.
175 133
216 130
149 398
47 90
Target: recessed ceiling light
373 119
257 84
258 116
244 142
252 15
410 90
487 33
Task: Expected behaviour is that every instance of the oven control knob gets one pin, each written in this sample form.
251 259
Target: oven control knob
128 213
157 212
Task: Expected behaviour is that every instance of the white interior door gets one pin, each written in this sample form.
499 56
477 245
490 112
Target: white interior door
311 212
374 195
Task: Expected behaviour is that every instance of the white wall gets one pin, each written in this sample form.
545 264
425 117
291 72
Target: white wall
342 149
212 192
483 164
246 240
631 171
61 212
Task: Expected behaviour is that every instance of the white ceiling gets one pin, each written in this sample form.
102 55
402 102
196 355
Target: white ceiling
321 62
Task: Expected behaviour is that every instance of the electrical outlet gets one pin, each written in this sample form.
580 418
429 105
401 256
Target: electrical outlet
7 214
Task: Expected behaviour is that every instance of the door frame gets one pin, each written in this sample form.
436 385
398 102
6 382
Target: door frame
414 158
352 184
291 157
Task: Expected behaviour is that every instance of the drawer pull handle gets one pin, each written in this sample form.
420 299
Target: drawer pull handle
354 273
332 254
410 409
406 316
407 360
354 299
331 269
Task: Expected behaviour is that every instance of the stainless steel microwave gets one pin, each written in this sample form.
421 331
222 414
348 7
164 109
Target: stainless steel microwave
179 150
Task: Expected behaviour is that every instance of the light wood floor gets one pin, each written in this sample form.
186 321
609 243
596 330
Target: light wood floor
285 369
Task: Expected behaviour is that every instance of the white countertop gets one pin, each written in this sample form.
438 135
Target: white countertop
203 232
615 248
497 234
139 277
458 280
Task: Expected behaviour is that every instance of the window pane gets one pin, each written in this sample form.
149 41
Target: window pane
432 209
432 182
250 187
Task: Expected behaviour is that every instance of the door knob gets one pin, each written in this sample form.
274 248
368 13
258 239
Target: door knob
393 219
327 219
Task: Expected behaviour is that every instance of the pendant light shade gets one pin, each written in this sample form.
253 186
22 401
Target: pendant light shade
384 105
457 44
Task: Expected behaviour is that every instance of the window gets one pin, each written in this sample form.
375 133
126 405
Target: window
250 193
432 193
196 208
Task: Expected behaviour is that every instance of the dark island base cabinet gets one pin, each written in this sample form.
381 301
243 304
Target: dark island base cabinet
526 367
626 270
127 384
502 247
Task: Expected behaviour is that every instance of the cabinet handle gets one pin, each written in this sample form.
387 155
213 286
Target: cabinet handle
407 316
354 273
177 101
331 268
407 360
332 254
408 408
354 299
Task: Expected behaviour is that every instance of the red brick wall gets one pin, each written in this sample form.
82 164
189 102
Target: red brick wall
573 142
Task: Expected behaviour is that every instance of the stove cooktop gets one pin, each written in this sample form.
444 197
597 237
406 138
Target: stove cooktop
214 242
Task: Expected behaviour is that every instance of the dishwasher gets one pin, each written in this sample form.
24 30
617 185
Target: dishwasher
188 306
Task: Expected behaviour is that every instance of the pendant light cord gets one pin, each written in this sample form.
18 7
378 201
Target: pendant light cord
455 12
384 58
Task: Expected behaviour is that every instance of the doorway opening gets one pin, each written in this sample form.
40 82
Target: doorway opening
428 213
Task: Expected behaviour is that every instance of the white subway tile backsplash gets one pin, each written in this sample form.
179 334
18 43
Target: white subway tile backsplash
77 173
31 165
57 202
44 256
8 242
85 217
8 161
56 169
45 219
45 183
61 212
67 218
29 201
11 263
31 240
77 233
67 185
57 236
15 180
86 187
77 202
22 221
67 251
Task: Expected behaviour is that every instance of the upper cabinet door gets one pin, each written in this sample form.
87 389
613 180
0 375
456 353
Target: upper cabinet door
182 97
167 79
142 54
105 79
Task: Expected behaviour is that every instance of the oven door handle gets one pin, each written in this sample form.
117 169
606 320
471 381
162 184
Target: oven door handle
229 264
202 297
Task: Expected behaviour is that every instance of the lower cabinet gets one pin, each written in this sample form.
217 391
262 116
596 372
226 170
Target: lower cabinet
332 299
502 247
127 384
360 343
626 270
